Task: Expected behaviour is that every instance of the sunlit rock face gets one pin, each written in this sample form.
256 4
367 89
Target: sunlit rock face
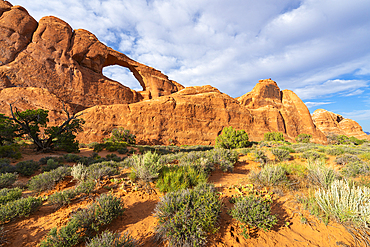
331 123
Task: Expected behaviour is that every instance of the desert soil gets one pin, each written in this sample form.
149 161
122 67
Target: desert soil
139 220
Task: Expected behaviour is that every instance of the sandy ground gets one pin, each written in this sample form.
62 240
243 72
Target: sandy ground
138 216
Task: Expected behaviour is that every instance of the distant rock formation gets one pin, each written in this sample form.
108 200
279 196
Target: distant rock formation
282 111
68 63
331 123
196 115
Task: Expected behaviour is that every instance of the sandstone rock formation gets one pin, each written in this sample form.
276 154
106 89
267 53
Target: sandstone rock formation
196 115
279 111
68 63
331 123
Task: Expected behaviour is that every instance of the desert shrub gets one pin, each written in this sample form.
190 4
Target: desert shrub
354 169
296 169
338 139
123 150
112 157
10 151
253 211
99 170
62 198
110 239
269 175
185 217
79 172
280 154
313 155
27 168
51 164
320 175
17 208
303 138
8 195
224 157
5 166
47 180
180 177
365 156
147 166
290 149
335 151
260 157
346 158
345 202
273 136
85 187
85 222
356 141
7 179
231 138
122 135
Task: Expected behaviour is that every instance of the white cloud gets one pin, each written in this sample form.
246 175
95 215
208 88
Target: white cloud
331 87
313 104
357 114
304 45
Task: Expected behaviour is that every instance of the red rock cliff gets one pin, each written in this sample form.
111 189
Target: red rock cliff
331 123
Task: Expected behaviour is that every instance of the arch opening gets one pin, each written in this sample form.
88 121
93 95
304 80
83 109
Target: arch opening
122 75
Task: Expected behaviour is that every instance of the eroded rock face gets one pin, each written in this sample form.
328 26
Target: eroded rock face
331 123
279 111
68 63
197 115
33 98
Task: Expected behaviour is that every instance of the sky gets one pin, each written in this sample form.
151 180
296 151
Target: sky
320 49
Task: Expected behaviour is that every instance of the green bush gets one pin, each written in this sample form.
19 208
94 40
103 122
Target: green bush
346 158
365 156
269 175
356 141
260 157
313 155
180 177
335 151
122 135
280 154
47 180
147 166
254 211
7 179
99 170
223 157
354 169
51 164
296 169
10 151
303 138
185 217
321 175
110 239
231 138
290 149
27 168
86 222
62 198
273 136
17 208
345 202
8 195
5 166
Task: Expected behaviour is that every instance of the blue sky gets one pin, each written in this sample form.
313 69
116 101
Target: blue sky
320 49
